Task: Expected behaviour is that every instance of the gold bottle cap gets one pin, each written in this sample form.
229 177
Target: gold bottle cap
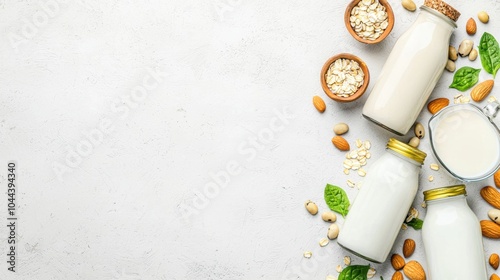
443 8
406 150
444 192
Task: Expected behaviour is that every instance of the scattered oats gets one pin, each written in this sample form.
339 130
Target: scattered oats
369 19
353 154
361 172
371 272
308 254
367 145
331 277
347 260
423 204
434 166
339 268
346 171
491 99
358 185
323 242
368 155
461 99
351 184
412 214
431 178
359 143
404 227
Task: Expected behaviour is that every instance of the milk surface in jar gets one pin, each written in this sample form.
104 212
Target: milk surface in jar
452 236
378 211
412 69
465 142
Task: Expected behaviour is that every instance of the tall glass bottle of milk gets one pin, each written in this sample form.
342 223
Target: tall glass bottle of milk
452 236
379 210
413 68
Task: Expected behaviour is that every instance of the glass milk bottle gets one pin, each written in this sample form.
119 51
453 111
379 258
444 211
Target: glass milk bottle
413 68
379 210
452 236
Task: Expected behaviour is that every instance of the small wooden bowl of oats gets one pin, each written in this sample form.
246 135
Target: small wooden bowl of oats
369 21
344 77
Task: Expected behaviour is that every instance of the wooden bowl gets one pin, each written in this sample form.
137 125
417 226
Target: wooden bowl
390 17
359 92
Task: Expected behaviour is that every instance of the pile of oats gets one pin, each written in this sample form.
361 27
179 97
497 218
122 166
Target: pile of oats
356 159
369 19
344 77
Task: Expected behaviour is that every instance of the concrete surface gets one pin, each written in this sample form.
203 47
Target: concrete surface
177 139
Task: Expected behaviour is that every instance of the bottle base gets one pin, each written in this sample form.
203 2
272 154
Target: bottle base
383 126
359 255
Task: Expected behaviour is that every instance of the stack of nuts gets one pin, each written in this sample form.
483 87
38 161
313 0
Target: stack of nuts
466 48
491 229
412 269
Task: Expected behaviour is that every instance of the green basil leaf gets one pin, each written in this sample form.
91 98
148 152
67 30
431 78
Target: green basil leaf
354 272
465 78
336 199
489 51
416 223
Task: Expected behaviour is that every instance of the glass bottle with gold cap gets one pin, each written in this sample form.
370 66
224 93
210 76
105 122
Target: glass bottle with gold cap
378 211
452 236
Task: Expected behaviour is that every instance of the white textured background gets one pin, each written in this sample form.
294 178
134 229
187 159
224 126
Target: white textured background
225 70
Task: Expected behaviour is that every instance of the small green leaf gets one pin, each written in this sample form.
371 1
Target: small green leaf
336 199
489 51
465 78
354 272
416 223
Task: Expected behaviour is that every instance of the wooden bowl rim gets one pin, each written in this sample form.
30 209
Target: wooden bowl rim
359 92
390 16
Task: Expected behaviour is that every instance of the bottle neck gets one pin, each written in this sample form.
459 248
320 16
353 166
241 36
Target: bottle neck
458 200
407 159
430 15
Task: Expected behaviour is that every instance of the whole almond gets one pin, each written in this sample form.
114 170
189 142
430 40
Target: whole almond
437 104
494 277
471 27
414 271
490 229
494 260
340 143
319 104
397 262
491 195
408 247
496 178
482 90
397 276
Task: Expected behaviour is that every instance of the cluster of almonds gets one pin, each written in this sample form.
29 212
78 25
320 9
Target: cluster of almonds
412 269
466 48
491 229
344 77
369 19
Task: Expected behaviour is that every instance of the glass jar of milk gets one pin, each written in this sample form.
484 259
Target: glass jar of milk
466 141
452 236
412 69
379 210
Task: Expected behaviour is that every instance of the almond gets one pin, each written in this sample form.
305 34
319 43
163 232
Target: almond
482 90
319 104
471 27
397 262
397 276
494 260
408 247
490 229
494 277
496 178
414 271
491 196
437 104
340 143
